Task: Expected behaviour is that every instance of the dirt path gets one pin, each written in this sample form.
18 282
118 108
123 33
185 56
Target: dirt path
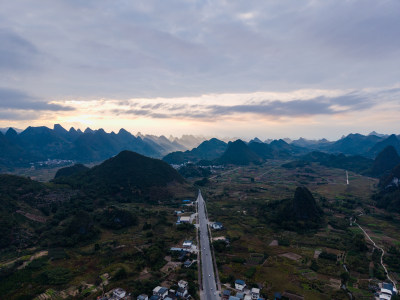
34 256
377 247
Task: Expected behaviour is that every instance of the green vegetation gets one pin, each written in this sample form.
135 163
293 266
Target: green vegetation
300 255
286 227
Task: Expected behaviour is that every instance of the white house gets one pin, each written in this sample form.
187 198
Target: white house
184 219
255 293
240 284
387 291
183 284
119 293
187 244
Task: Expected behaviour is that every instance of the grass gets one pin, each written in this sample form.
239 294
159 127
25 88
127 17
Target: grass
230 195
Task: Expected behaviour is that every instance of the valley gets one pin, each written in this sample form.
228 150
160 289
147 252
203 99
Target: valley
280 223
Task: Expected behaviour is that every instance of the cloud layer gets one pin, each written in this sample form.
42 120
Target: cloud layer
198 60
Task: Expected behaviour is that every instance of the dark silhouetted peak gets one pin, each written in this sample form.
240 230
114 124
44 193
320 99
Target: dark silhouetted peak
72 130
11 132
101 131
88 130
392 140
71 171
255 140
279 143
238 153
123 132
36 130
377 134
355 143
79 131
304 206
385 161
261 149
59 129
132 169
207 150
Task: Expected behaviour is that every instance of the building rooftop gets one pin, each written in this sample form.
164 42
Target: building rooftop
239 281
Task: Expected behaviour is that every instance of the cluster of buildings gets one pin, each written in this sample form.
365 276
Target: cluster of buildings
184 251
159 293
387 290
163 293
242 292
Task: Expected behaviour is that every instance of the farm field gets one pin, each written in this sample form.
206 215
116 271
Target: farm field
278 260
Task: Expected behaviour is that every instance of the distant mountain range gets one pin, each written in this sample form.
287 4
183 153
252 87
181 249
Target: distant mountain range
42 143
35 144
354 152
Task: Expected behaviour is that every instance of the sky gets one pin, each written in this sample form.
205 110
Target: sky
269 69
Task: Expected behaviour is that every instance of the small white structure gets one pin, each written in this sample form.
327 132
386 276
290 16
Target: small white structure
184 219
255 293
240 284
217 226
183 284
119 293
143 297
187 244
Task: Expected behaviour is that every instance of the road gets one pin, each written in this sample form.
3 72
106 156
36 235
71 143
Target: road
209 291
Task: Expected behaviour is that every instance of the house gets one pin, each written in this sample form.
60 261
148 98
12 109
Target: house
188 263
160 291
247 297
119 293
240 285
182 292
177 249
187 244
183 284
233 298
183 219
183 289
187 203
240 295
217 225
226 294
143 297
387 291
255 293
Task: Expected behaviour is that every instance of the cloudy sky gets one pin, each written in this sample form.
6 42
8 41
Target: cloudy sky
224 68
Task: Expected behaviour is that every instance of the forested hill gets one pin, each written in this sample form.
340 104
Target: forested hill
128 174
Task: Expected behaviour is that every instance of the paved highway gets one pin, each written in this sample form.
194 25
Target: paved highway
209 291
